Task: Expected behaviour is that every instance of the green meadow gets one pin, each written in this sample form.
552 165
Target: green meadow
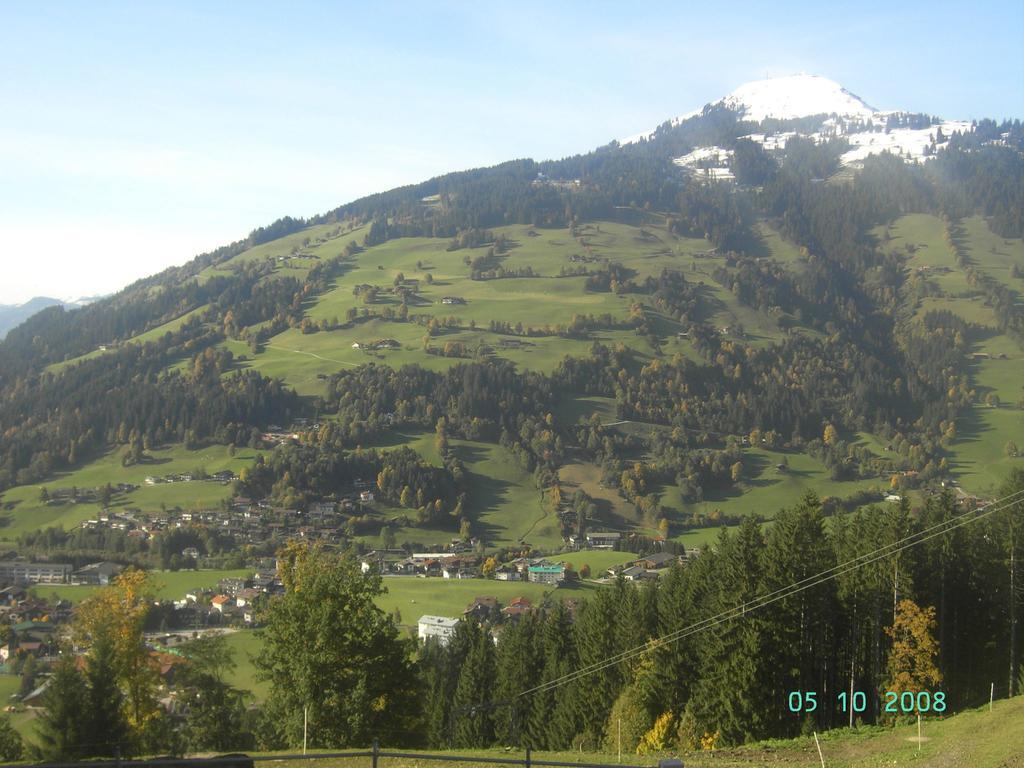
23 510
509 509
165 585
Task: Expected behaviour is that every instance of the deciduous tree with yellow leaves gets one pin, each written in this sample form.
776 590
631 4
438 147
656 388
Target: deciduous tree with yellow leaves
912 661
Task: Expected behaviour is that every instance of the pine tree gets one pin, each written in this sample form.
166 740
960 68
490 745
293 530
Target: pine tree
800 631
595 693
105 703
733 695
11 746
63 725
556 705
472 714
519 668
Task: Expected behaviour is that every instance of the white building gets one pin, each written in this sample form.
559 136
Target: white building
440 627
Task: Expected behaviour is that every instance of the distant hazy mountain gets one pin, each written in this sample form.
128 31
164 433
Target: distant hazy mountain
13 315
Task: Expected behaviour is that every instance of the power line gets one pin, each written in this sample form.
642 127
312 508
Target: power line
899 545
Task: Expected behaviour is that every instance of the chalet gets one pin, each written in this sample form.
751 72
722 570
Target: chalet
482 608
507 573
366 496
517 608
441 627
221 603
453 300
246 597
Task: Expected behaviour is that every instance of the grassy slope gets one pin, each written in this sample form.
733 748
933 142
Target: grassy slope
977 457
546 300
29 513
974 739
509 506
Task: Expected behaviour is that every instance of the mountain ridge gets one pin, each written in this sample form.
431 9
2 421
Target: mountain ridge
13 315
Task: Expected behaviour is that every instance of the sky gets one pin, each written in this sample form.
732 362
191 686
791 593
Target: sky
134 136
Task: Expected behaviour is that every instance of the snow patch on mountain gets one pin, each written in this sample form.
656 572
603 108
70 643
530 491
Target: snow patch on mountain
909 143
709 162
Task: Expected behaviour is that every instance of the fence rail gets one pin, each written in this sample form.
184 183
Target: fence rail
375 754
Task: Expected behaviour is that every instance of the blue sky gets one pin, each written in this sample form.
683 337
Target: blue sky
134 135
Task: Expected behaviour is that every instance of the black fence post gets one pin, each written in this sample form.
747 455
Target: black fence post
529 761
376 751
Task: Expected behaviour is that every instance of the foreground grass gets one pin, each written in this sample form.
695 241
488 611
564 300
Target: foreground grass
972 739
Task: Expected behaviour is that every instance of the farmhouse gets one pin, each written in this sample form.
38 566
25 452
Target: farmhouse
659 560
453 300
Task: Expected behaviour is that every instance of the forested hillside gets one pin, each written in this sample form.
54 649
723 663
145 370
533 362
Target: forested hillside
780 370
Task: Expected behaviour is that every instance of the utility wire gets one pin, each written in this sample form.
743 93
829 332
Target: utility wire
938 529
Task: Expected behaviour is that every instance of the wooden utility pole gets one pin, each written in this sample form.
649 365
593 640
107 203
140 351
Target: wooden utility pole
820 756
1013 615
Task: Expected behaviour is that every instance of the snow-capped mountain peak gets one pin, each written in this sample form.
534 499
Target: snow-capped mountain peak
788 97
868 131
795 96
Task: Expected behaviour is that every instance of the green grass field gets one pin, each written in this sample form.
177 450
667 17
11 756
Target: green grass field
23 510
413 597
997 254
166 585
245 645
508 507
919 237
977 457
